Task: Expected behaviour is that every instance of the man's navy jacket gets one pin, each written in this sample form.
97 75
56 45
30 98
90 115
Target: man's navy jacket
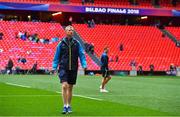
67 53
104 61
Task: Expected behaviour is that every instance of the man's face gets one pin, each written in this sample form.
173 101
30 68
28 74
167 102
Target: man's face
69 32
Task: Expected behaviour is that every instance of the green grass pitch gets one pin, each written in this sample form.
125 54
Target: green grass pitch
128 96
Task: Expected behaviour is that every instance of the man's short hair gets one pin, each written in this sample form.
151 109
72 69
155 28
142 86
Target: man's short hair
106 48
69 28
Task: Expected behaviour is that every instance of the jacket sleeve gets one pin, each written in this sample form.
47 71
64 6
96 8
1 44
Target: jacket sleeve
102 60
56 57
82 56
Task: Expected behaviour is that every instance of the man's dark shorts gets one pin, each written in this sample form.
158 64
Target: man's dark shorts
68 76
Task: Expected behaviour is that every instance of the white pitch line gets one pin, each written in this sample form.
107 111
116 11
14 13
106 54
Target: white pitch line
88 97
28 95
18 85
58 92
84 96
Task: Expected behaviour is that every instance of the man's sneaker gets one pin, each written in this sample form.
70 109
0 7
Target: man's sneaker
103 91
69 110
65 110
101 87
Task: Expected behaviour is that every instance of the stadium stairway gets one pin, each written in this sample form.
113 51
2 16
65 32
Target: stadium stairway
169 34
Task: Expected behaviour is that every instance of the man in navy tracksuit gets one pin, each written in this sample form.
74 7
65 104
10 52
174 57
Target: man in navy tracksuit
105 70
66 57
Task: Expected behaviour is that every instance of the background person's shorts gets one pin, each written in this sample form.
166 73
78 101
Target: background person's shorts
105 73
68 76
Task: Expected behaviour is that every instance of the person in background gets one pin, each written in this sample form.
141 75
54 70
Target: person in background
10 66
140 70
105 70
92 23
70 20
121 47
1 35
133 64
151 69
83 2
34 68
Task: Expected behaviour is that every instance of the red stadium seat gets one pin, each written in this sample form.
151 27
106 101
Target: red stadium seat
15 48
42 53
145 44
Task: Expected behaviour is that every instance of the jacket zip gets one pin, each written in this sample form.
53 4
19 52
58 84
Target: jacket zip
70 54
70 57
